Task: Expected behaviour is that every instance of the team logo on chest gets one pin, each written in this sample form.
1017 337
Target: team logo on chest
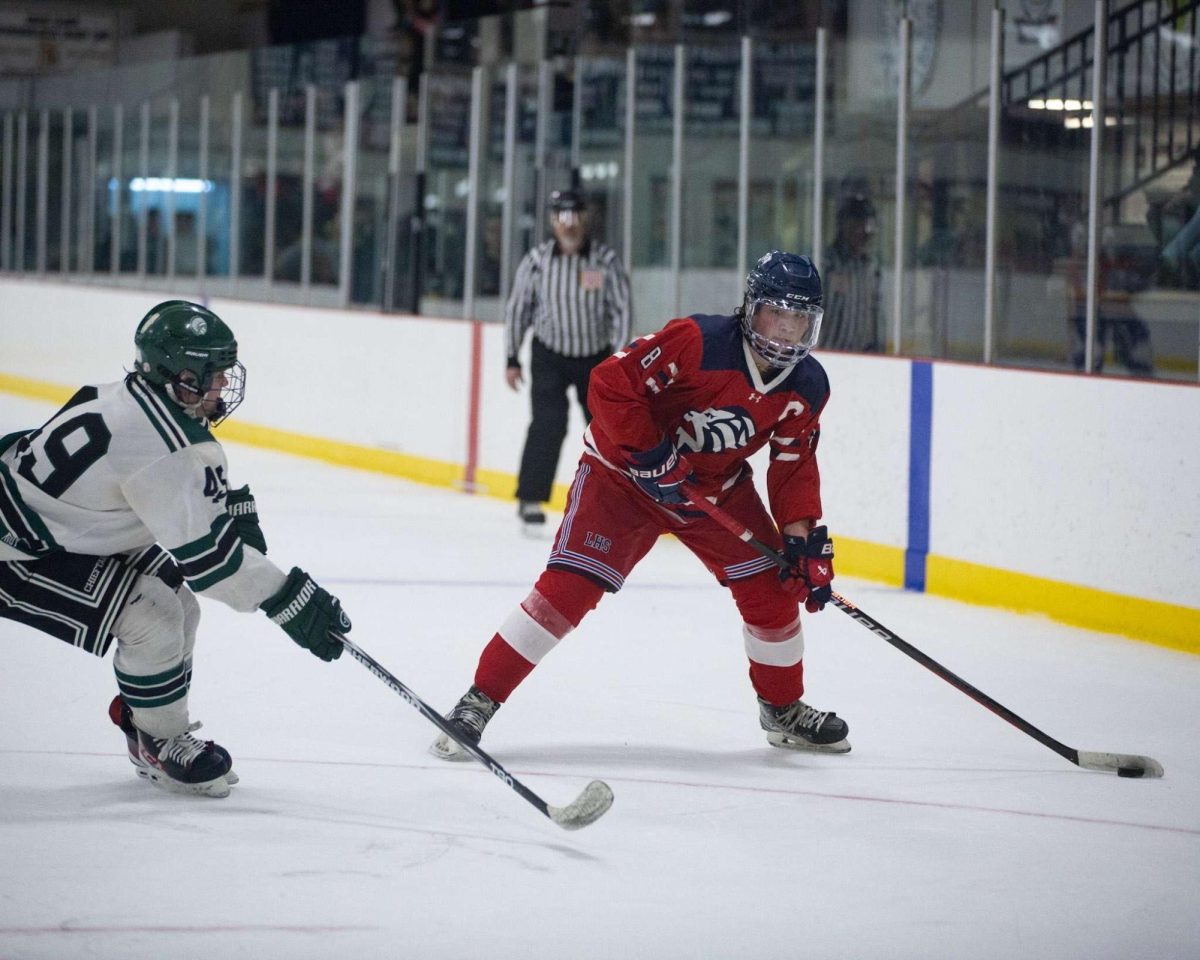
715 431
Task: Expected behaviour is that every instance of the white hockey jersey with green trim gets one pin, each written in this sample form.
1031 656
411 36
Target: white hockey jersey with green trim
122 466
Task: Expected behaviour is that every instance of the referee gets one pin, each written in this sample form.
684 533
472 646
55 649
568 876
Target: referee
852 281
574 292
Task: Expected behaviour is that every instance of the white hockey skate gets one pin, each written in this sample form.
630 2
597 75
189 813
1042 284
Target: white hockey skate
797 726
469 716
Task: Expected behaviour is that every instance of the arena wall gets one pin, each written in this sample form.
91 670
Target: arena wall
1077 497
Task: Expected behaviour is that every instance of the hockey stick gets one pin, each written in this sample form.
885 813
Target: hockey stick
587 808
1124 764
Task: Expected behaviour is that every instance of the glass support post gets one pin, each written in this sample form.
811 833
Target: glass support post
630 123
87 242
42 196
269 204
114 193
144 172
1094 201
202 200
474 158
993 155
509 174
172 175
904 60
6 197
677 179
308 179
743 181
818 218
395 135
22 183
235 187
539 151
576 121
64 232
349 191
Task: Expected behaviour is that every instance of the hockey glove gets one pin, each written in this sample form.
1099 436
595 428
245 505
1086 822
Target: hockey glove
309 615
661 472
241 506
811 569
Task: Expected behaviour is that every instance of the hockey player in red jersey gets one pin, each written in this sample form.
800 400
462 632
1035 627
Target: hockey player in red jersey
680 411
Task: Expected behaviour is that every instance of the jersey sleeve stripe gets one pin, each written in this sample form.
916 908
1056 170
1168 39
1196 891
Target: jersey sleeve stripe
191 551
213 557
213 565
226 569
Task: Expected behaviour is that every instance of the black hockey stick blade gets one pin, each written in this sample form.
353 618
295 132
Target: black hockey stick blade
1122 764
587 808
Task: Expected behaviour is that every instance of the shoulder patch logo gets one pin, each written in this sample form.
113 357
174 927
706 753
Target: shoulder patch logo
715 431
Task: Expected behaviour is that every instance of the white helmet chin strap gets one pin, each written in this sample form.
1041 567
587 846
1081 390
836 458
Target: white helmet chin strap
193 408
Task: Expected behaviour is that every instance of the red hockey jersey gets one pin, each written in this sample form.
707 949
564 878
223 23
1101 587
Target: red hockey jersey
695 381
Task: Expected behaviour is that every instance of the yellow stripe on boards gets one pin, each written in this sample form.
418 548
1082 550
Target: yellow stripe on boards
1160 623
34 389
868 561
391 462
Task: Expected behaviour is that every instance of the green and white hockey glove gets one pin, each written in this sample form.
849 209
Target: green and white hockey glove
310 615
240 505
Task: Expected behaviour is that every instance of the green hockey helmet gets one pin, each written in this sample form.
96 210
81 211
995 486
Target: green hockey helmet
182 347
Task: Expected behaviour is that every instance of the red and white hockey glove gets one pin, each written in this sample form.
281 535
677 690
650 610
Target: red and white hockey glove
811 569
661 472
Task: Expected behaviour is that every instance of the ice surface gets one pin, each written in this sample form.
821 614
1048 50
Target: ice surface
944 834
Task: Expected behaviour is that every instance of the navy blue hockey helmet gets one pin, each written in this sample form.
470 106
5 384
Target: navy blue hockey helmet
786 282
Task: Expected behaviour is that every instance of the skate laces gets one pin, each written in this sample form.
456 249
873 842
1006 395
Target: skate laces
800 715
473 711
183 748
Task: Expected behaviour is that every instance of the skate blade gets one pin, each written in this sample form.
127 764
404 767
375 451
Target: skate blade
784 742
218 788
143 771
535 531
446 749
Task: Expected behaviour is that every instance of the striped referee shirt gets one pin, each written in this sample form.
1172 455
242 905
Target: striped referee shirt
577 305
852 301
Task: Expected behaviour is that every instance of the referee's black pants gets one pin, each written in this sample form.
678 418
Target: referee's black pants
550 374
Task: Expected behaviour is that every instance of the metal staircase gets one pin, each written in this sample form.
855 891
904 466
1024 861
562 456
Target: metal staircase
1152 89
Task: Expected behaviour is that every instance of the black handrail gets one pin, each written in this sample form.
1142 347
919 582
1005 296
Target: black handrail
1133 99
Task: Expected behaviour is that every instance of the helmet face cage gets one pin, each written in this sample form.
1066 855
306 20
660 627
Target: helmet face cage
789 282
782 353
233 392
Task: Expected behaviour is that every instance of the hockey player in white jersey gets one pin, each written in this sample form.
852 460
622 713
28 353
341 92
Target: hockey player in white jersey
118 509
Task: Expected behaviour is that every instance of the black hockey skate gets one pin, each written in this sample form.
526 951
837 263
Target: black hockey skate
185 764
120 714
798 726
469 716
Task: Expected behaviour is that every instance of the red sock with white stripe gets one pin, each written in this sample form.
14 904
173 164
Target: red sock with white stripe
553 609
